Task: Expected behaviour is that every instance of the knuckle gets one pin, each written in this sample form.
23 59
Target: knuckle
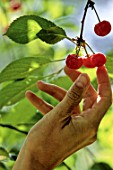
74 95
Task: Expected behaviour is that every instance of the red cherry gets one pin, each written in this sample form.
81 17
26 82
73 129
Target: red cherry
73 61
102 28
15 6
87 62
98 59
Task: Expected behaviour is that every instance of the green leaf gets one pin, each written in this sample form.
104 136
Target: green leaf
2 166
3 153
37 116
26 28
100 166
62 81
13 156
109 64
20 69
15 91
52 35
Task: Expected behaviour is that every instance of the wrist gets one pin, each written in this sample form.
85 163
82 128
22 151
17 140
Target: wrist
40 154
26 160
38 158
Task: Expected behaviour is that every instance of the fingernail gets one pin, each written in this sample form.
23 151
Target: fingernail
28 93
82 81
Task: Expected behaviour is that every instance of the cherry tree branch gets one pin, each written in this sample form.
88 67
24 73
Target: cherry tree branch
13 128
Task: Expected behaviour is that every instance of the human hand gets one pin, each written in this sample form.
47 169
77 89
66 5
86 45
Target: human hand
65 129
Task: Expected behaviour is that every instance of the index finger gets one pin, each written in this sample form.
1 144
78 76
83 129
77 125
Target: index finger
72 74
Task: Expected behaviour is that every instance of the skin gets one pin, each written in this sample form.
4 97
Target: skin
64 129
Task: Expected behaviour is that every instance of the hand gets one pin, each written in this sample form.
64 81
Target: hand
65 129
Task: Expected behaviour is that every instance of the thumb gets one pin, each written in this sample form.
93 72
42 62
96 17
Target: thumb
75 94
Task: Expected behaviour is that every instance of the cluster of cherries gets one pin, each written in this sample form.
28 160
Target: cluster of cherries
90 61
75 61
102 28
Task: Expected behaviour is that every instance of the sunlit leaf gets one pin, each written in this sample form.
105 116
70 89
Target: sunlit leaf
26 28
2 166
15 91
3 153
109 64
20 69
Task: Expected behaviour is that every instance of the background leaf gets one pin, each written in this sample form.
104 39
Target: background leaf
3 153
109 63
2 166
15 91
100 166
22 68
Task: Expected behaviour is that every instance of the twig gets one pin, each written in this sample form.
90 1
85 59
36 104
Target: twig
71 39
66 165
13 128
55 73
25 124
91 153
58 60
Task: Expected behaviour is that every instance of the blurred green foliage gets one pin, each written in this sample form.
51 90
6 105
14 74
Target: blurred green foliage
16 113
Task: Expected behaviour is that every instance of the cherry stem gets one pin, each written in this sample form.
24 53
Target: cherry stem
71 39
97 14
86 51
58 60
66 165
90 48
78 50
83 19
52 74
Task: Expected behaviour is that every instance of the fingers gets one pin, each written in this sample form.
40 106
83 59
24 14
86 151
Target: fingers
104 86
41 105
72 74
105 94
89 98
74 95
55 91
91 95
51 89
